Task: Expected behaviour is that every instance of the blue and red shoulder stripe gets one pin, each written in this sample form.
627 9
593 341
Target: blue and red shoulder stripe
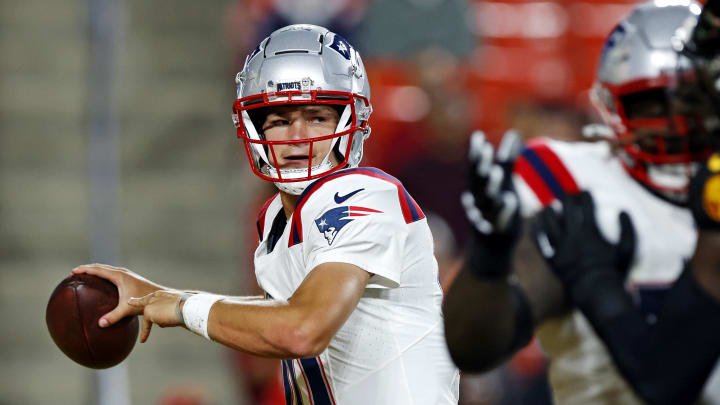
410 209
545 173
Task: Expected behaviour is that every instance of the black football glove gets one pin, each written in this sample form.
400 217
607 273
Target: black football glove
704 195
573 245
491 205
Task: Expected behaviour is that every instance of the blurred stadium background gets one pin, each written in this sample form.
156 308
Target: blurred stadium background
116 145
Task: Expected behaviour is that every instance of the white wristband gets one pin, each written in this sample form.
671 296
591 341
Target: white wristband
196 312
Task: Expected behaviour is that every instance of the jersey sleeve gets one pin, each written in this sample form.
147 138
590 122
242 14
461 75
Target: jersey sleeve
367 231
541 177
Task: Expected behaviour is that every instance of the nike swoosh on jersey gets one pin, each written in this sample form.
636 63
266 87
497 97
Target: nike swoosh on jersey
340 200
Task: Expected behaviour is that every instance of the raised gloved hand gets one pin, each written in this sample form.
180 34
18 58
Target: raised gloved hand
491 204
574 247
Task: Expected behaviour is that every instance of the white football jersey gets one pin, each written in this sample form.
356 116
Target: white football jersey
581 370
391 350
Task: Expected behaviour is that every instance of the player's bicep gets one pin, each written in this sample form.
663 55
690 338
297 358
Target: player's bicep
327 297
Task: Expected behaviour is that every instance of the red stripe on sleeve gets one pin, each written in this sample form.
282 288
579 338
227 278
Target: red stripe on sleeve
404 206
557 168
533 180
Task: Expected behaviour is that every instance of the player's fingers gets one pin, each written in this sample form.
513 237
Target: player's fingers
115 315
486 160
480 155
146 326
588 206
495 180
510 146
109 273
477 140
141 301
473 214
550 224
508 210
541 241
626 245
573 214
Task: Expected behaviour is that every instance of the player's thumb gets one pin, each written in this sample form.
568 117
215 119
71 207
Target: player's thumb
626 244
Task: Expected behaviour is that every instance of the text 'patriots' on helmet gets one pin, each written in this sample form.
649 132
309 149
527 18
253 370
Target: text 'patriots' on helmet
638 66
302 65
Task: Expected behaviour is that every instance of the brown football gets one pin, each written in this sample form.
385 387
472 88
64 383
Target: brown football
72 317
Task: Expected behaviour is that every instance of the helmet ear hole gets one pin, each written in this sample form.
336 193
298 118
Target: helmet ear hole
257 116
339 108
336 152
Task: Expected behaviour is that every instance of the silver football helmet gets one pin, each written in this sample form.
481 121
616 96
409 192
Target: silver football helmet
638 65
303 64
698 91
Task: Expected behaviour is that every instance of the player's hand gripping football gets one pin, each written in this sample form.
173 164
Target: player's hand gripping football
573 245
491 205
129 285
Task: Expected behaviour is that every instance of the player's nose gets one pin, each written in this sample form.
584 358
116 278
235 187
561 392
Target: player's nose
298 129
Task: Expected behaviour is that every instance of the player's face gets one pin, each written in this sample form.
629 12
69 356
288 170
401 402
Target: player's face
651 106
301 122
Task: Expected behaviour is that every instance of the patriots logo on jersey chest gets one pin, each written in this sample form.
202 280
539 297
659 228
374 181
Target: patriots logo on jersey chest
335 219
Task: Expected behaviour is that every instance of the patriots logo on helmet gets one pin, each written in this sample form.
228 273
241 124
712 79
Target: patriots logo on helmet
615 36
341 46
333 220
254 52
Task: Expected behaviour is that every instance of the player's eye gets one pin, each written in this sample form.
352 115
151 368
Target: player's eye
275 123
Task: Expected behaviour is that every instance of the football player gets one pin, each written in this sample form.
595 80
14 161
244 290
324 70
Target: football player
353 304
643 170
669 360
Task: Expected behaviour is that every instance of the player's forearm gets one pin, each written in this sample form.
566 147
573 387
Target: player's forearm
267 328
481 322
235 298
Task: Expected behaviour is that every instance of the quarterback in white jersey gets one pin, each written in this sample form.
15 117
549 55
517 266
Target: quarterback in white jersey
391 349
643 169
353 302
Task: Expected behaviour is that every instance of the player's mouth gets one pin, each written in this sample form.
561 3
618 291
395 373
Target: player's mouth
295 161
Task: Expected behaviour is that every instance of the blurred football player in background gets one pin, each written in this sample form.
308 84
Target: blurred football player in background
345 257
667 360
644 170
